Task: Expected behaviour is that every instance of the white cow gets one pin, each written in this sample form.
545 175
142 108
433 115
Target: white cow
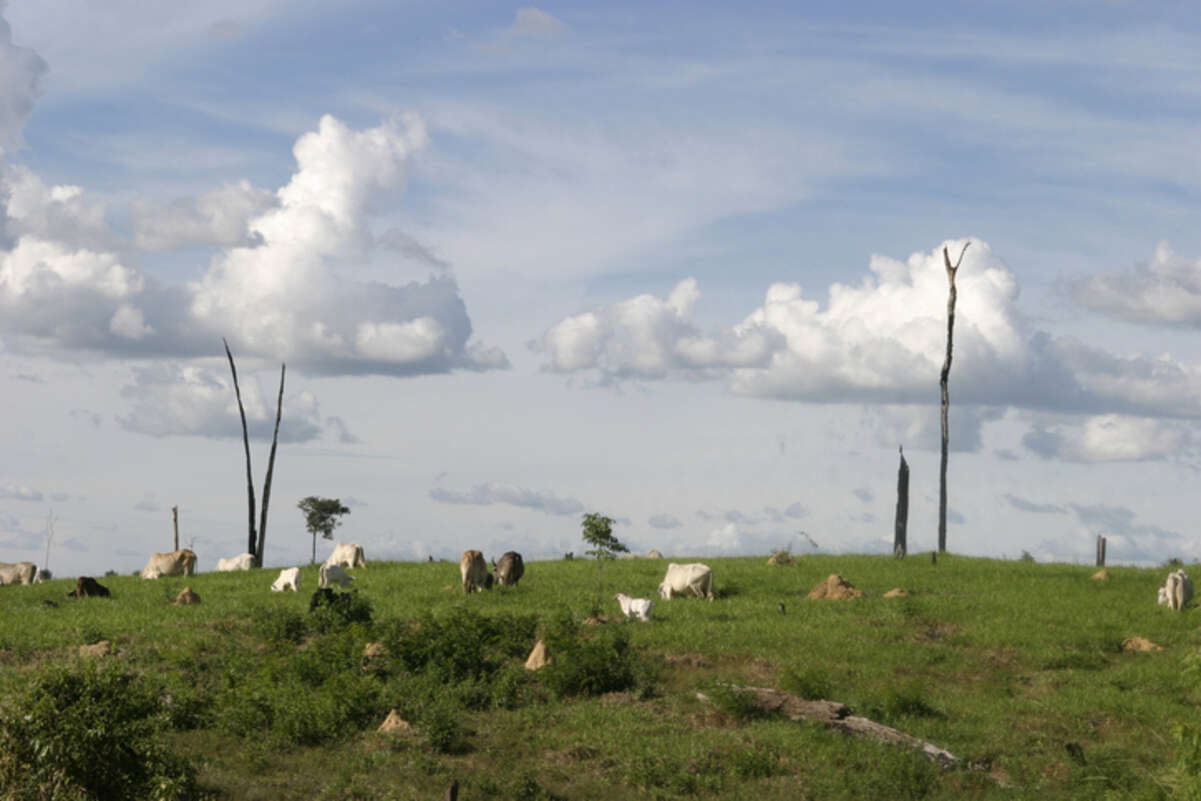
289 579
334 574
1177 590
240 562
175 563
691 579
347 555
637 608
18 572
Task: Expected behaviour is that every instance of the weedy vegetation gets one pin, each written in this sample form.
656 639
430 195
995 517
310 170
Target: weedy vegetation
1015 667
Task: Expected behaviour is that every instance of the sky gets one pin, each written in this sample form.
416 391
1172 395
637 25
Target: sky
678 264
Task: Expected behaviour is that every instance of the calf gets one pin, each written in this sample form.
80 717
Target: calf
637 608
289 579
88 587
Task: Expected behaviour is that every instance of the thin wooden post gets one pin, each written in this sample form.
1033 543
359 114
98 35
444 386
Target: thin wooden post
175 525
900 543
1100 551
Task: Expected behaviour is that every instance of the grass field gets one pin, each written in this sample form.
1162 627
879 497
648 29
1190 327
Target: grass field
1017 668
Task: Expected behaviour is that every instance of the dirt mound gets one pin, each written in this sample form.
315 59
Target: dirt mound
372 655
835 588
186 597
395 724
99 650
781 558
896 593
538 658
1140 644
1101 575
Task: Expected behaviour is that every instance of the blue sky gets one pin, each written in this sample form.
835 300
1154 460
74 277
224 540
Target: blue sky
679 264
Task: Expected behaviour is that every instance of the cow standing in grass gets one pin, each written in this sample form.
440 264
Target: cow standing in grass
691 579
474 572
175 563
17 572
509 569
1177 590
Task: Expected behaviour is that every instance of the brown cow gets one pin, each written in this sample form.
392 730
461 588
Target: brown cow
175 563
474 571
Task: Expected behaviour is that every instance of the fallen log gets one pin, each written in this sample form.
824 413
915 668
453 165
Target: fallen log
838 716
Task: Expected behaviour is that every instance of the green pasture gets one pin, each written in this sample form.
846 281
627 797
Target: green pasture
1017 668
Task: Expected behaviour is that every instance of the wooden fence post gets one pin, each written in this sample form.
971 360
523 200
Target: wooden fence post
1100 551
175 524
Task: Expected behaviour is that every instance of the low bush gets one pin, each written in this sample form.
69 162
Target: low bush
589 663
89 731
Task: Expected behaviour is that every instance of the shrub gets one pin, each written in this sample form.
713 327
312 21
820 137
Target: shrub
277 625
88 732
592 665
351 607
741 705
439 722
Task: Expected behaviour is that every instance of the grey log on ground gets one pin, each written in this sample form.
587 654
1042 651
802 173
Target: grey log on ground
838 716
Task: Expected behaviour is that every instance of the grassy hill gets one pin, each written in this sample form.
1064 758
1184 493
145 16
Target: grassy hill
1017 668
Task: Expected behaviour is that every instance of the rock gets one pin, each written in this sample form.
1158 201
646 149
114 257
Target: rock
395 724
896 593
1140 644
538 657
1101 575
599 620
186 597
835 588
98 650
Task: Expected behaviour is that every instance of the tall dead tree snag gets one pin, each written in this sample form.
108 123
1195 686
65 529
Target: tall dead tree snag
254 544
946 403
900 541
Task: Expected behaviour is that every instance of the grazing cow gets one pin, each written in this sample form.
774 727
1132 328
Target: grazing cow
243 561
347 555
509 569
175 563
17 572
88 587
334 574
637 608
691 579
289 579
474 572
1177 590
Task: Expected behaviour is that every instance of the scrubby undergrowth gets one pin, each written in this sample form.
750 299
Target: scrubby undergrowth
1017 668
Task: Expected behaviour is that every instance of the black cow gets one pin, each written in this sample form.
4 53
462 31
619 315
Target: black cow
88 587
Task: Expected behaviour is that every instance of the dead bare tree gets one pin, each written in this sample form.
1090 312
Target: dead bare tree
254 545
251 539
279 409
900 540
942 383
49 539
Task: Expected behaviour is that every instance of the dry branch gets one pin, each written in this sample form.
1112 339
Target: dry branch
942 383
837 716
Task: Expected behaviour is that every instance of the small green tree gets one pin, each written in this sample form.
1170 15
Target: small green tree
598 532
321 515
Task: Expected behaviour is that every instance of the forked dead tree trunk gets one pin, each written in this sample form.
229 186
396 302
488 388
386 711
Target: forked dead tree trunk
251 539
900 543
279 409
946 403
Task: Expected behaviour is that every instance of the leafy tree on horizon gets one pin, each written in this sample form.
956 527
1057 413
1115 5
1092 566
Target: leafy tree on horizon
321 515
598 532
